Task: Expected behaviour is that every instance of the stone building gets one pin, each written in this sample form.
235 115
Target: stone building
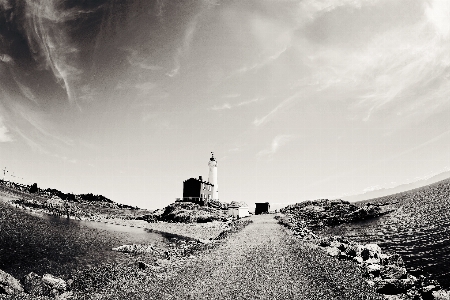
197 190
262 208
200 191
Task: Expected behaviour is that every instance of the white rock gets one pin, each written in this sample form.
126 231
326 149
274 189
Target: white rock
374 249
54 282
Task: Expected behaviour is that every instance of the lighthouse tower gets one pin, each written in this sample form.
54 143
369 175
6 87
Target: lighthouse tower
212 178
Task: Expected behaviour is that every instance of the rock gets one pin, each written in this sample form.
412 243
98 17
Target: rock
135 248
358 259
393 286
64 296
342 247
9 285
351 251
324 242
425 281
333 251
342 255
429 288
370 282
391 259
372 270
441 295
396 297
54 282
413 294
142 265
427 291
34 285
364 253
374 250
372 261
393 272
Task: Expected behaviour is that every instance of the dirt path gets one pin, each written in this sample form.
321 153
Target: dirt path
264 261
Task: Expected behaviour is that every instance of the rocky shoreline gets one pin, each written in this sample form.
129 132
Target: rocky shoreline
384 271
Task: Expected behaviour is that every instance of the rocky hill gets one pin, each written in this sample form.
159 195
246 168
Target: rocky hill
187 212
323 212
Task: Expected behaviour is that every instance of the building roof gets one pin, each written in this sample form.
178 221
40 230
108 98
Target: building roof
202 181
235 204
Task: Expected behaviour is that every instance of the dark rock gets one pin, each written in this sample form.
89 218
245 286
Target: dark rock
343 247
142 265
34 285
365 254
393 286
391 259
393 272
9 285
324 242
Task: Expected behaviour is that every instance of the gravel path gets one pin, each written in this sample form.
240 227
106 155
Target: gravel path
264 261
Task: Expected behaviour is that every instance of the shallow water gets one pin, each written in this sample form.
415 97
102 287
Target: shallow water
419 230
42 243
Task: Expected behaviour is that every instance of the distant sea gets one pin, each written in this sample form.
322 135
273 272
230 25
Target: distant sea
418 229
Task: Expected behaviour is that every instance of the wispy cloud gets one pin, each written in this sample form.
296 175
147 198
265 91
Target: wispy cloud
4 133
271 114
137 60
311 9
230 106
414 78
231 95
145 88
184 48
49 41
263 62
438 12
278 142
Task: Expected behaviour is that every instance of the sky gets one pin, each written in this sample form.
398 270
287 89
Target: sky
299 100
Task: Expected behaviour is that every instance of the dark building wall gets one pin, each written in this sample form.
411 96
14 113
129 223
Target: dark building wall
262 208
197 191
191 188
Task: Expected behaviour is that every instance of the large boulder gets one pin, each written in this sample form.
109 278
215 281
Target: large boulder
54 282
9 285
34 285
374 250
333 251
441 295
393 286
391 259
393 272
372 270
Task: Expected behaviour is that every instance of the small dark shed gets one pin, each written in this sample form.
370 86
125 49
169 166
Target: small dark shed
262 208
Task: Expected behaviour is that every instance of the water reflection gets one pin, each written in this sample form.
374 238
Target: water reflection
42 243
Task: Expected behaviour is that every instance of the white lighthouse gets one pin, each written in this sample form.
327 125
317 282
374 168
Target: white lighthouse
212 178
